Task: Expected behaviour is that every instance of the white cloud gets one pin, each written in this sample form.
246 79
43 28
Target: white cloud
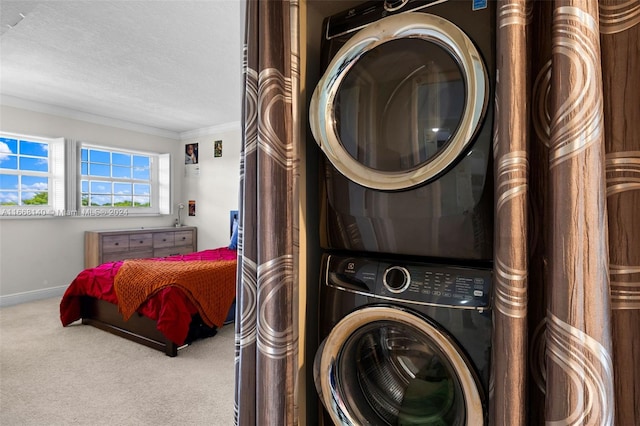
4 150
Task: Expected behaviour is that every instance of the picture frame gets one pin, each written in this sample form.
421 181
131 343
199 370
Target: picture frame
191 153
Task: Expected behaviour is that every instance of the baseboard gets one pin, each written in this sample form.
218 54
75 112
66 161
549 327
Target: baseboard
31 296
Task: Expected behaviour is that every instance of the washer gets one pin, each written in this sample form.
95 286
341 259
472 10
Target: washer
403 116
404 343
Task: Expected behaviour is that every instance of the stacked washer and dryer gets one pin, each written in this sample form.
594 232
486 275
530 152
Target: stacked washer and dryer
403 116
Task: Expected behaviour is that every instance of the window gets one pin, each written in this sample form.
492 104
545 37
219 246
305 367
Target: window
31 175
118 182
115 179
54 177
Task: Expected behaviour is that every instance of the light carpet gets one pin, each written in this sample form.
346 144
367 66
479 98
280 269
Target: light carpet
80 375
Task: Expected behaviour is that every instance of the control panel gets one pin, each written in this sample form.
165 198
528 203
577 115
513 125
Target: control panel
413 282
360 16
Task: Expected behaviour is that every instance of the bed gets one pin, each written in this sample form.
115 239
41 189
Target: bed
163 303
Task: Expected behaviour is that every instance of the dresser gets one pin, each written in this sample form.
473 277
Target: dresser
110 246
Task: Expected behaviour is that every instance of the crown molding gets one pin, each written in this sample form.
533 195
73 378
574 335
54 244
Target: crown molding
211 131
59 111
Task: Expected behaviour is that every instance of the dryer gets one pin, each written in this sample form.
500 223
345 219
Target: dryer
404 343
403 115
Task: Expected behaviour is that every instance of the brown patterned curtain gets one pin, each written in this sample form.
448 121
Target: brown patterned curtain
267 295
567 264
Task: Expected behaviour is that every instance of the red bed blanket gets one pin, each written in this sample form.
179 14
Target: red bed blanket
171 306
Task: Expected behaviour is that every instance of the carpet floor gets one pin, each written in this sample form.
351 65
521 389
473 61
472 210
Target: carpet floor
80 375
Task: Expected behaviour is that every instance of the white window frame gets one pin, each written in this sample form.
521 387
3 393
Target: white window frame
56 190
160 184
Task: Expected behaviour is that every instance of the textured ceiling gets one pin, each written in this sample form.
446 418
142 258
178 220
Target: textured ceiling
170 65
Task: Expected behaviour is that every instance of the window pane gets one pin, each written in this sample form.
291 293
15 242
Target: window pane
100 200
98 187
122 189
140 189
8 146
8 198
84 186
35 183
36 149
8 182
84 154
141 201
97 156
34 164
140 161
122 201
85 169
99 170
8 162
141 173
121 159
121 172
85 199
35 198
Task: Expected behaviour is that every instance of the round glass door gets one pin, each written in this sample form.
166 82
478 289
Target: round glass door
386 366
400 102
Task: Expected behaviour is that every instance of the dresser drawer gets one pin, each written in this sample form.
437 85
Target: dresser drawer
115 243
184 238
116 256
163 239
172 251
140 241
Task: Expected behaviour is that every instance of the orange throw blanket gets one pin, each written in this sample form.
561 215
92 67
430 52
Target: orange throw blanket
210 285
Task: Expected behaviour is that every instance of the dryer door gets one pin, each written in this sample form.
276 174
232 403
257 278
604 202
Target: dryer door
400 102
384 365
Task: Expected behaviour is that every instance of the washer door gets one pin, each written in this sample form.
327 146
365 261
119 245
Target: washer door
384 365
400 102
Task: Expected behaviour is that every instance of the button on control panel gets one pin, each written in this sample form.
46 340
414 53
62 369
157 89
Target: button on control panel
426 283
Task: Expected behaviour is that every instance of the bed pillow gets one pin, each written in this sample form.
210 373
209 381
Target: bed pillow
233 244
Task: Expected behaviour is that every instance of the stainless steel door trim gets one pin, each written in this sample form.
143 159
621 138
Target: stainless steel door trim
326 371
407 25
392 8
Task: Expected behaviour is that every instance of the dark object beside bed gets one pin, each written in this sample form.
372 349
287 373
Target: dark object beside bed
171 317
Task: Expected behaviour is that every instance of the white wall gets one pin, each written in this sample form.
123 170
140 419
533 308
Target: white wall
216 188
40 257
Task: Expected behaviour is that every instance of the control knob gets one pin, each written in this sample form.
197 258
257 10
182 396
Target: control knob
396 279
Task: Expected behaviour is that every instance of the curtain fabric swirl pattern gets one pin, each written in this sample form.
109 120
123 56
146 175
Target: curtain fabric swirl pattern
567 260
267 293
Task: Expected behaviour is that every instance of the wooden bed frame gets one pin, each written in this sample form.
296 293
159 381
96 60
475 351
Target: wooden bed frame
138 328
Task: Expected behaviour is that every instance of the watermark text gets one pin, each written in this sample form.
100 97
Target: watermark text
43 212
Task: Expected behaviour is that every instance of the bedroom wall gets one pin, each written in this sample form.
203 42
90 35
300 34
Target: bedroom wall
215 187
40 257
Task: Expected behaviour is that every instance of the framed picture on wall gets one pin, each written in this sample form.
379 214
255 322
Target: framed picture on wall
217 149
191 153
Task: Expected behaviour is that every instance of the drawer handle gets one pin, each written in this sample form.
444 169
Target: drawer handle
117 244
184 238
164 239
141 241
